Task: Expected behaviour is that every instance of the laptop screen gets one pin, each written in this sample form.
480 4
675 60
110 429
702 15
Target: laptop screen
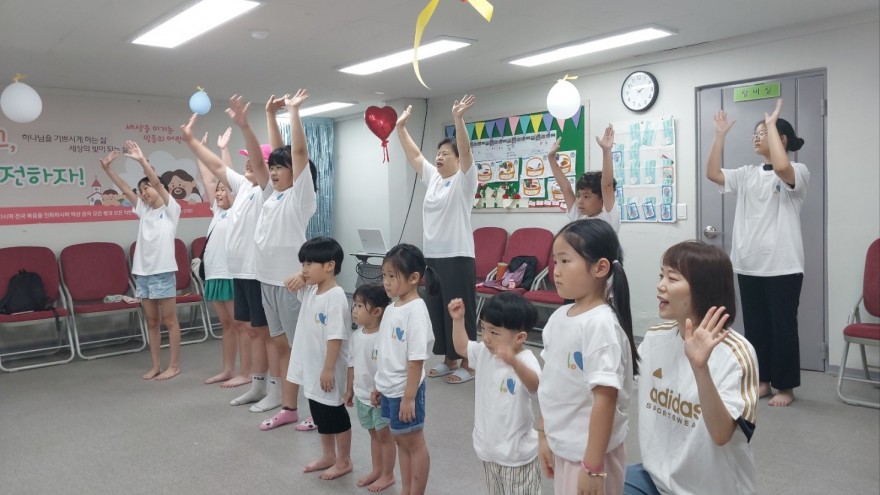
372 241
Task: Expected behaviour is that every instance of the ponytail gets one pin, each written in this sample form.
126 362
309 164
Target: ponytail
619 302
432 281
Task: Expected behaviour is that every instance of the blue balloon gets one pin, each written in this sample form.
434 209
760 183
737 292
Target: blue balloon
200 103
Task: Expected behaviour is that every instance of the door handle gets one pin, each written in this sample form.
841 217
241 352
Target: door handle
711 232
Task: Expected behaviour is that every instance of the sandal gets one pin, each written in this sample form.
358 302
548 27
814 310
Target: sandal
439 370
306 425
462 374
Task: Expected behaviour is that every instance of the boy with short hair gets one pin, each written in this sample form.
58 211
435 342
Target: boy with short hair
507 377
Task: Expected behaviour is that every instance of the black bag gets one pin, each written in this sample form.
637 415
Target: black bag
531 269
201 257
25 293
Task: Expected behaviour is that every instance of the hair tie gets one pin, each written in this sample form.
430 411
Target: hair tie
615 262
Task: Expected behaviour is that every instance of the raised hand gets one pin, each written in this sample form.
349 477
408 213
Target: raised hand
555 148
461 106
505 353
295 282
223 139
770 119
721 123
107 160
133 151
456 309
296 100
238 110
204 140
699 343
275 104
187 129
404 117
607 140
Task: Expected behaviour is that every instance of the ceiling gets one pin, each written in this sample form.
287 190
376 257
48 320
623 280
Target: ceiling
84 44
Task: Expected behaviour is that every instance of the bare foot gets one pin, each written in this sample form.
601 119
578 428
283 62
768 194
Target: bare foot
764 390
219 377
782 398
381 484
168 373
370 478
236 381
339 469
460 375
151 374
322 463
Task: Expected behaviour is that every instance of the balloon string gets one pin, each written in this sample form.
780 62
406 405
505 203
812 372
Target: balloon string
18 77
385 150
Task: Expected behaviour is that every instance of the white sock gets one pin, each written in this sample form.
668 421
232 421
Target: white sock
255 393
272 398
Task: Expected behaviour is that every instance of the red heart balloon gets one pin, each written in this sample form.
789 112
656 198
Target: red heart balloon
381 121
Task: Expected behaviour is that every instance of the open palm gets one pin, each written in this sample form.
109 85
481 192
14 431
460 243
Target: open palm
699 343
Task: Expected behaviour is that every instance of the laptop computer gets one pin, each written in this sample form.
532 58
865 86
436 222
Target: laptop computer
372 241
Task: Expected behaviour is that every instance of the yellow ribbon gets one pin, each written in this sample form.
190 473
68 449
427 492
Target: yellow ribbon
483 7
18 77
199 88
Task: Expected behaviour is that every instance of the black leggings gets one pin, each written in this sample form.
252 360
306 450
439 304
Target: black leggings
457 279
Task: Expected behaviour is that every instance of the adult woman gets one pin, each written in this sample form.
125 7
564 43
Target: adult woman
768 252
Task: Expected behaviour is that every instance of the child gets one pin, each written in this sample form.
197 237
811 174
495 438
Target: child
589 363
595 190
320 364
154 264
504 437
369 303
404 344
697 442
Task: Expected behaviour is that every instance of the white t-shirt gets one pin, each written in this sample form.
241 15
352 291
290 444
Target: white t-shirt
446 212
504 421
240 246
214 258
323 317
676 448
364 360
767 237
405 335
581 352
154 252
612 217
281 230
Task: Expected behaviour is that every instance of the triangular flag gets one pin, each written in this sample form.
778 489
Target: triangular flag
513 121
490 126
450 131
561 124
480 126
470 131
536 121
548 121
524 123
499 124
576 118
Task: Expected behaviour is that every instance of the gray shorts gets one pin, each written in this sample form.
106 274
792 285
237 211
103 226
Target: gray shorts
282 310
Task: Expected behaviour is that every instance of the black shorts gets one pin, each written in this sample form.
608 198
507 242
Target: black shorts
330 420
248 301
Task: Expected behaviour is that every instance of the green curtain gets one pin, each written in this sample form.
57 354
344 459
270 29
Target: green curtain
319 139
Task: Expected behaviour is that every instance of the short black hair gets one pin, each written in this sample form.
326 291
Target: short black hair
372 295
592 181
146 180
451 142
282 157
322 250
511 311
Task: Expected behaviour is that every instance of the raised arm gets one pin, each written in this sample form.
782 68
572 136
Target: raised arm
778 156
272 107
410 148
130 195
208 179
134 152
459 335
559 175
606 142
713 164
299 151
206 157
462 139
223 144
237 111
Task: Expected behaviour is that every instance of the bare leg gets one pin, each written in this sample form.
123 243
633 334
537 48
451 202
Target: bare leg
229 343
289 391
342 466
151 312
783 398
328 445
245 356
168 309
376 457
405 466
389 453
419 462
764 389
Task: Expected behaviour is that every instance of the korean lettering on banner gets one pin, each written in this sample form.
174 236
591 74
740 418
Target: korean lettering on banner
37 175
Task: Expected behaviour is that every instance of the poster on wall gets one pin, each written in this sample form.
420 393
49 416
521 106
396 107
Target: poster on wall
643 158
510 154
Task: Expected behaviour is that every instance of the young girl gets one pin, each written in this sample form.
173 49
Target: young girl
768 250
404 344
589 363
153 264
369 303
697 403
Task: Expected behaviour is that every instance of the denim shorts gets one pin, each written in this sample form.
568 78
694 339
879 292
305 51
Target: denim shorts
391 413
370 417
158 286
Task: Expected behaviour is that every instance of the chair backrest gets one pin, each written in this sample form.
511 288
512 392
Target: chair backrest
37 259
489 244
181 256
871 287
197 248
530 241
93 270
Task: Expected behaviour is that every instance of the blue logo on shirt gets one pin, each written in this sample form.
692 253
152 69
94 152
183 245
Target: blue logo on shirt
321 318
447 183
251 197
509 386
278 198
578 360
399 333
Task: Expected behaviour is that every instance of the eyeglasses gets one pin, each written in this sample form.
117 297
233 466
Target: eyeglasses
758 135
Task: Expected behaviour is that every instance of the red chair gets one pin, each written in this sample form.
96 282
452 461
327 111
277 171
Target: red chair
863 334
489 243
197 250
545 294
90 272
39 260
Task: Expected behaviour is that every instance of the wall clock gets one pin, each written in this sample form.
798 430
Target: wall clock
639 91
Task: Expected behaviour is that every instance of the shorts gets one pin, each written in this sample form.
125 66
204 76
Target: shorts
330 420
158 286
248 302
370 417
391 413
282 310
502 480
218 289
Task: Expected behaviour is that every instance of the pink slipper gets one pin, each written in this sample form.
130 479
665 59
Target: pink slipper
283 417
307 425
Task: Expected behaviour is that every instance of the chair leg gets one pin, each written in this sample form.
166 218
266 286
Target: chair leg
864 362
841 371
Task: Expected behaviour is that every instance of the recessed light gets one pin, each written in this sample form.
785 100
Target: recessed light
259 34
324 107
195 20
593 46
427 50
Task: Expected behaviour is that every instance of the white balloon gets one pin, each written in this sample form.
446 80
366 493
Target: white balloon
563 100
20 103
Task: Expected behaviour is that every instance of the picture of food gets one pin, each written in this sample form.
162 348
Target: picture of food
556 192
484 171
565 163
506 170
532 187
535 167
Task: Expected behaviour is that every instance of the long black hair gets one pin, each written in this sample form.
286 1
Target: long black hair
792 142
407 259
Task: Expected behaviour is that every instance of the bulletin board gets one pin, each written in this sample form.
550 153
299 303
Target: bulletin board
510 154
643 157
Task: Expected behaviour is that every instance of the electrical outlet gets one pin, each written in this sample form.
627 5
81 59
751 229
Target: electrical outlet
681 212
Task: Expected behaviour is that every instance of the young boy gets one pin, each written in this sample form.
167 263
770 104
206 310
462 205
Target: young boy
320 358
370 302
153 264
595 190
506 378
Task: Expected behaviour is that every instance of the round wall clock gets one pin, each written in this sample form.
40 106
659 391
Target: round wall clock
639 91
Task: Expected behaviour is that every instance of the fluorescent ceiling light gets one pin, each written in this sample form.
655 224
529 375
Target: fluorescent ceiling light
593 46
325 107
197 19
404 57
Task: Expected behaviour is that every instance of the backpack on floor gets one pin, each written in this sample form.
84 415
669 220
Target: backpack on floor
24 293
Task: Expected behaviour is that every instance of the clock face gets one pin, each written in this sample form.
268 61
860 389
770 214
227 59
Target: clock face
639 91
